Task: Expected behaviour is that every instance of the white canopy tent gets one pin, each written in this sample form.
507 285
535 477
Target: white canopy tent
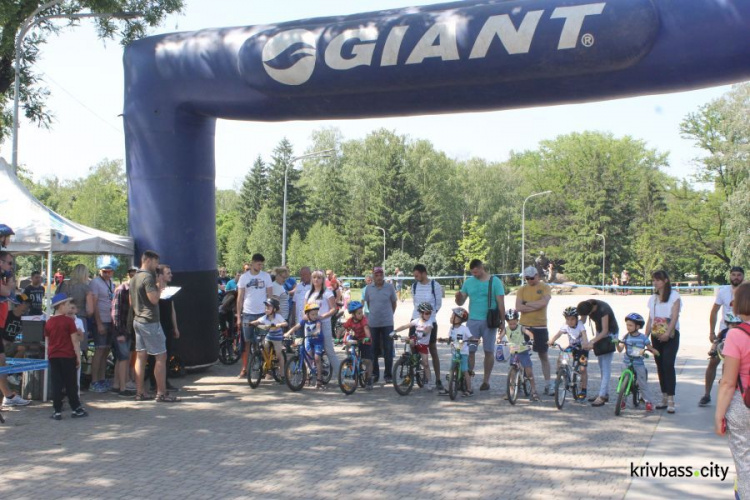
39 230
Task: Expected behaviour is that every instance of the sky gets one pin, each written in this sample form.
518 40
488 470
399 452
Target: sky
85 76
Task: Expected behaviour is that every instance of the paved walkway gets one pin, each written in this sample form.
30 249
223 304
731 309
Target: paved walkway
226 440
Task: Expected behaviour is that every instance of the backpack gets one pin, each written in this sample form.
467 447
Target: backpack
745 394
432 284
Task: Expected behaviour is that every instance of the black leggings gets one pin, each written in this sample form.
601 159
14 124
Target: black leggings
666 361
63 374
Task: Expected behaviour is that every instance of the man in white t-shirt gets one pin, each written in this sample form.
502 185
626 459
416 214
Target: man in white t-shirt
426 290
724 296
300 294
254 287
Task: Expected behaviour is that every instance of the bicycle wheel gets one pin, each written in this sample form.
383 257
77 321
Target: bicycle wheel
348 377
513 384
622 392
325 367
255 373
403 377
228 353
526 385
561 388
636 391
296 373
453 383
419 373
575 385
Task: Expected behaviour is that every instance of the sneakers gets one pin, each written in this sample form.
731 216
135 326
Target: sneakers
484 387
549 389
99 386
603 398
649 407
56 416
127 393
79 413
438 384
670 404
430 387
368 386
15 400
663 404
705 400
388 380
130 386
468 394
599 401
623 405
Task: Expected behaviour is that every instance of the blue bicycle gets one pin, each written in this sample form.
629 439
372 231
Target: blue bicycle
300 365
352 370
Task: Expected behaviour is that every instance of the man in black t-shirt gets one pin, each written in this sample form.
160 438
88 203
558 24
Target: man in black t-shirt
35 291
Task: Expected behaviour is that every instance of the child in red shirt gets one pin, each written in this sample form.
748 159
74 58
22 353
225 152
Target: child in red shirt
357 326
62 337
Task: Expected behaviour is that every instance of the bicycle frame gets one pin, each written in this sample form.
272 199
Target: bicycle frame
631 380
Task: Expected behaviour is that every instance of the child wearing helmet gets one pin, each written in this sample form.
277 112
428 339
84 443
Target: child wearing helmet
312 329
714 359
517 336
576 332
634 344
274 324
460 332
356 326
421 339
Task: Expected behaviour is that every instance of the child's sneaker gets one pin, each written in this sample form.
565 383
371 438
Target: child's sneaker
439 385
623 405
15 400
79 413
430 387
99 386
649 407
56 416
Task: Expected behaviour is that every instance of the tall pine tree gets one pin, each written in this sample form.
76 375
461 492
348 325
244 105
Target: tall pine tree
254 193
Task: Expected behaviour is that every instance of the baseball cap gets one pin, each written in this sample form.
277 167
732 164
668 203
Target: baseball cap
376 270
59 299
530 272
132 268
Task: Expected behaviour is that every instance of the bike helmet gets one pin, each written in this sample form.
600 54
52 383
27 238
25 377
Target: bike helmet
461 313
5 230
354 305
636 318
424 307
731 318
273 303
570 311
512 314
312 306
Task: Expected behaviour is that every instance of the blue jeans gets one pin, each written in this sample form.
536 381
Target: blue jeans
605 369
383 346
248 331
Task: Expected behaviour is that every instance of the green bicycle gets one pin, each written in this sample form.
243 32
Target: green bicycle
456 379
628 383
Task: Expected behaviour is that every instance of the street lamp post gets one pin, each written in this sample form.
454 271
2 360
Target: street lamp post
378 227
27 24
322 154
523 226
604 256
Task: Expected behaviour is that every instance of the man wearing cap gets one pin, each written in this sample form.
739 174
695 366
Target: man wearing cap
477 289
380 298
103 290
35 292
531 301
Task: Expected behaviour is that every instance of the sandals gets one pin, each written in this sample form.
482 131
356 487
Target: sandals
143 397
599 401
534 397
243 374
166 398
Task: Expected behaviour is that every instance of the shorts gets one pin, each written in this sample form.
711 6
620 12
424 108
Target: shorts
464 362
541 337
102 341
366 351
249 333
480 330
121 350
150 337
423 349
582 355
276 343
315 346
524 358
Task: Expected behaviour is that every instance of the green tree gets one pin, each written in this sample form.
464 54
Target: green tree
399 259
322 180
281 160
236 253
296 253
33 93
265 237
437 263
254 192
326 248
473 245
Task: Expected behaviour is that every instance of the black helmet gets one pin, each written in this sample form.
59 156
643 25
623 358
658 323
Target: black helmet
273 303
512 314
636 318
424 307
570 311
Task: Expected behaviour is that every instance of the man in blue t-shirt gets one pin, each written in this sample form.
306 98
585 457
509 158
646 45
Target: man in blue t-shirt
477 288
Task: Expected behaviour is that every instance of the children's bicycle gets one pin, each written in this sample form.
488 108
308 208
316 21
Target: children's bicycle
517 379
301 366
628 383
568 377
231 345
456 380
351 370
262 360
407 369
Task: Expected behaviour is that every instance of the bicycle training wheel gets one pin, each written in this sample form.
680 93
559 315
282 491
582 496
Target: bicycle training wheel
403 377
348 377
561 389
514 380
622 393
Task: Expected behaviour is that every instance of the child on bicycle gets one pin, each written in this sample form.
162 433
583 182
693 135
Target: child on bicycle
419 336
576 332
635 343
517 337
459 331
357 327
274 323
312 329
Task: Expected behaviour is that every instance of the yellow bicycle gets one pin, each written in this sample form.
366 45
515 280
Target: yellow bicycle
263 359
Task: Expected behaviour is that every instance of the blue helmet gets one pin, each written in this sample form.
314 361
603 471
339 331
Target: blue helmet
6 230
636 318
354 305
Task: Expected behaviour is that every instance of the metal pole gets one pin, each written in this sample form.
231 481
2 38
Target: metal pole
378 227
604 257
25 27
323 154
523 226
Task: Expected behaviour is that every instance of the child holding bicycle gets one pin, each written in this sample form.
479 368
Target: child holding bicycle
357 327
517 337
312 329
421 339
459 331
576 332
635 343
274 323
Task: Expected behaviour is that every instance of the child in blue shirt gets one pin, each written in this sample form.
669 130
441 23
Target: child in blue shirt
635 344
312 329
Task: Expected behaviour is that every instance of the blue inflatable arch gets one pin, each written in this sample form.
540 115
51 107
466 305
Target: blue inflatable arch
461 56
